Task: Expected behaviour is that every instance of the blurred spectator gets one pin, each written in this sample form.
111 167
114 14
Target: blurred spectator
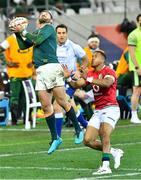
76 5
124 76
127 26
57 3
100 4
1 84
60 5
122 67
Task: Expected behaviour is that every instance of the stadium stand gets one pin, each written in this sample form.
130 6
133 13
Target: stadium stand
85 11
70 12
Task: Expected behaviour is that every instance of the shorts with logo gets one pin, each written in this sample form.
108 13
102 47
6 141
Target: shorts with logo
49 76
136 79
109 114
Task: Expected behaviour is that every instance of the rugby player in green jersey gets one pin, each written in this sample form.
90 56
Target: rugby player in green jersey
49 72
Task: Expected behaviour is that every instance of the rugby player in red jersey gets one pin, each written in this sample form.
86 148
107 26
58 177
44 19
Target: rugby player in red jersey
106 114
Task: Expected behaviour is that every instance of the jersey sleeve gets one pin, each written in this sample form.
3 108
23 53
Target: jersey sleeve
89 75
23 44
39 36
5 44
110 73
79 51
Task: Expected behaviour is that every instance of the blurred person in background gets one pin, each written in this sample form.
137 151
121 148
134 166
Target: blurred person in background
134 46
19 67
93 44
69 53
123 74
122 69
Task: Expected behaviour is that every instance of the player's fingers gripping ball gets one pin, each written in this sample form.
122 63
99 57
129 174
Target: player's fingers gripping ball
18 24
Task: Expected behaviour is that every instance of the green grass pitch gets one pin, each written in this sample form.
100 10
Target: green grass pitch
23 154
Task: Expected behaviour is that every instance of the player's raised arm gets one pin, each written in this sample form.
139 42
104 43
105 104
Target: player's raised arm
80 82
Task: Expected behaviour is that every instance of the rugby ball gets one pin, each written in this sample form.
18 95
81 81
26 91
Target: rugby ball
18 21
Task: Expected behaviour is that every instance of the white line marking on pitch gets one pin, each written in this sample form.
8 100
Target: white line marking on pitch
47 168
40 152
77 169
71 169
110 176
62 150
119 175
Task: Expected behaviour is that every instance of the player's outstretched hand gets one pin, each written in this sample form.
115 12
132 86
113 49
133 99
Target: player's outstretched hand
67 73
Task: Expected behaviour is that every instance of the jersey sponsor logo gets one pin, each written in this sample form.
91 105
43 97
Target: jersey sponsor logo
23 51
96 88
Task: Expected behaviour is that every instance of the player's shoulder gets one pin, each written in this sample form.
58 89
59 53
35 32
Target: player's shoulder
46 28
133 33
109 70
11 39
73 44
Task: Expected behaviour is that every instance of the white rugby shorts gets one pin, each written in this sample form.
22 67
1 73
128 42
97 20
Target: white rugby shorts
49 76
110 115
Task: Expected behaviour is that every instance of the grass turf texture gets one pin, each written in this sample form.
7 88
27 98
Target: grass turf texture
23 154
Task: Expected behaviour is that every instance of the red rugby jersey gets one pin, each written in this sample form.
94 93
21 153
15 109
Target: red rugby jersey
104 96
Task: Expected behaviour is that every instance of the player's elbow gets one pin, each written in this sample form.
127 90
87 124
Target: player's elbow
107 85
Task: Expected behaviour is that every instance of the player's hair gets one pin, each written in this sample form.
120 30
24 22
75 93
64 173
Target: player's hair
138 17
62 26
93 36
101 52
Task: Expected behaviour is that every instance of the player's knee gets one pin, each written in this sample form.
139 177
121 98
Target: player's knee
65 105
61 101
47 109
87 141
57 109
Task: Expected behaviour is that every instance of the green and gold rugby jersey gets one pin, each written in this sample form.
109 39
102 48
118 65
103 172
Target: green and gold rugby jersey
44 45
